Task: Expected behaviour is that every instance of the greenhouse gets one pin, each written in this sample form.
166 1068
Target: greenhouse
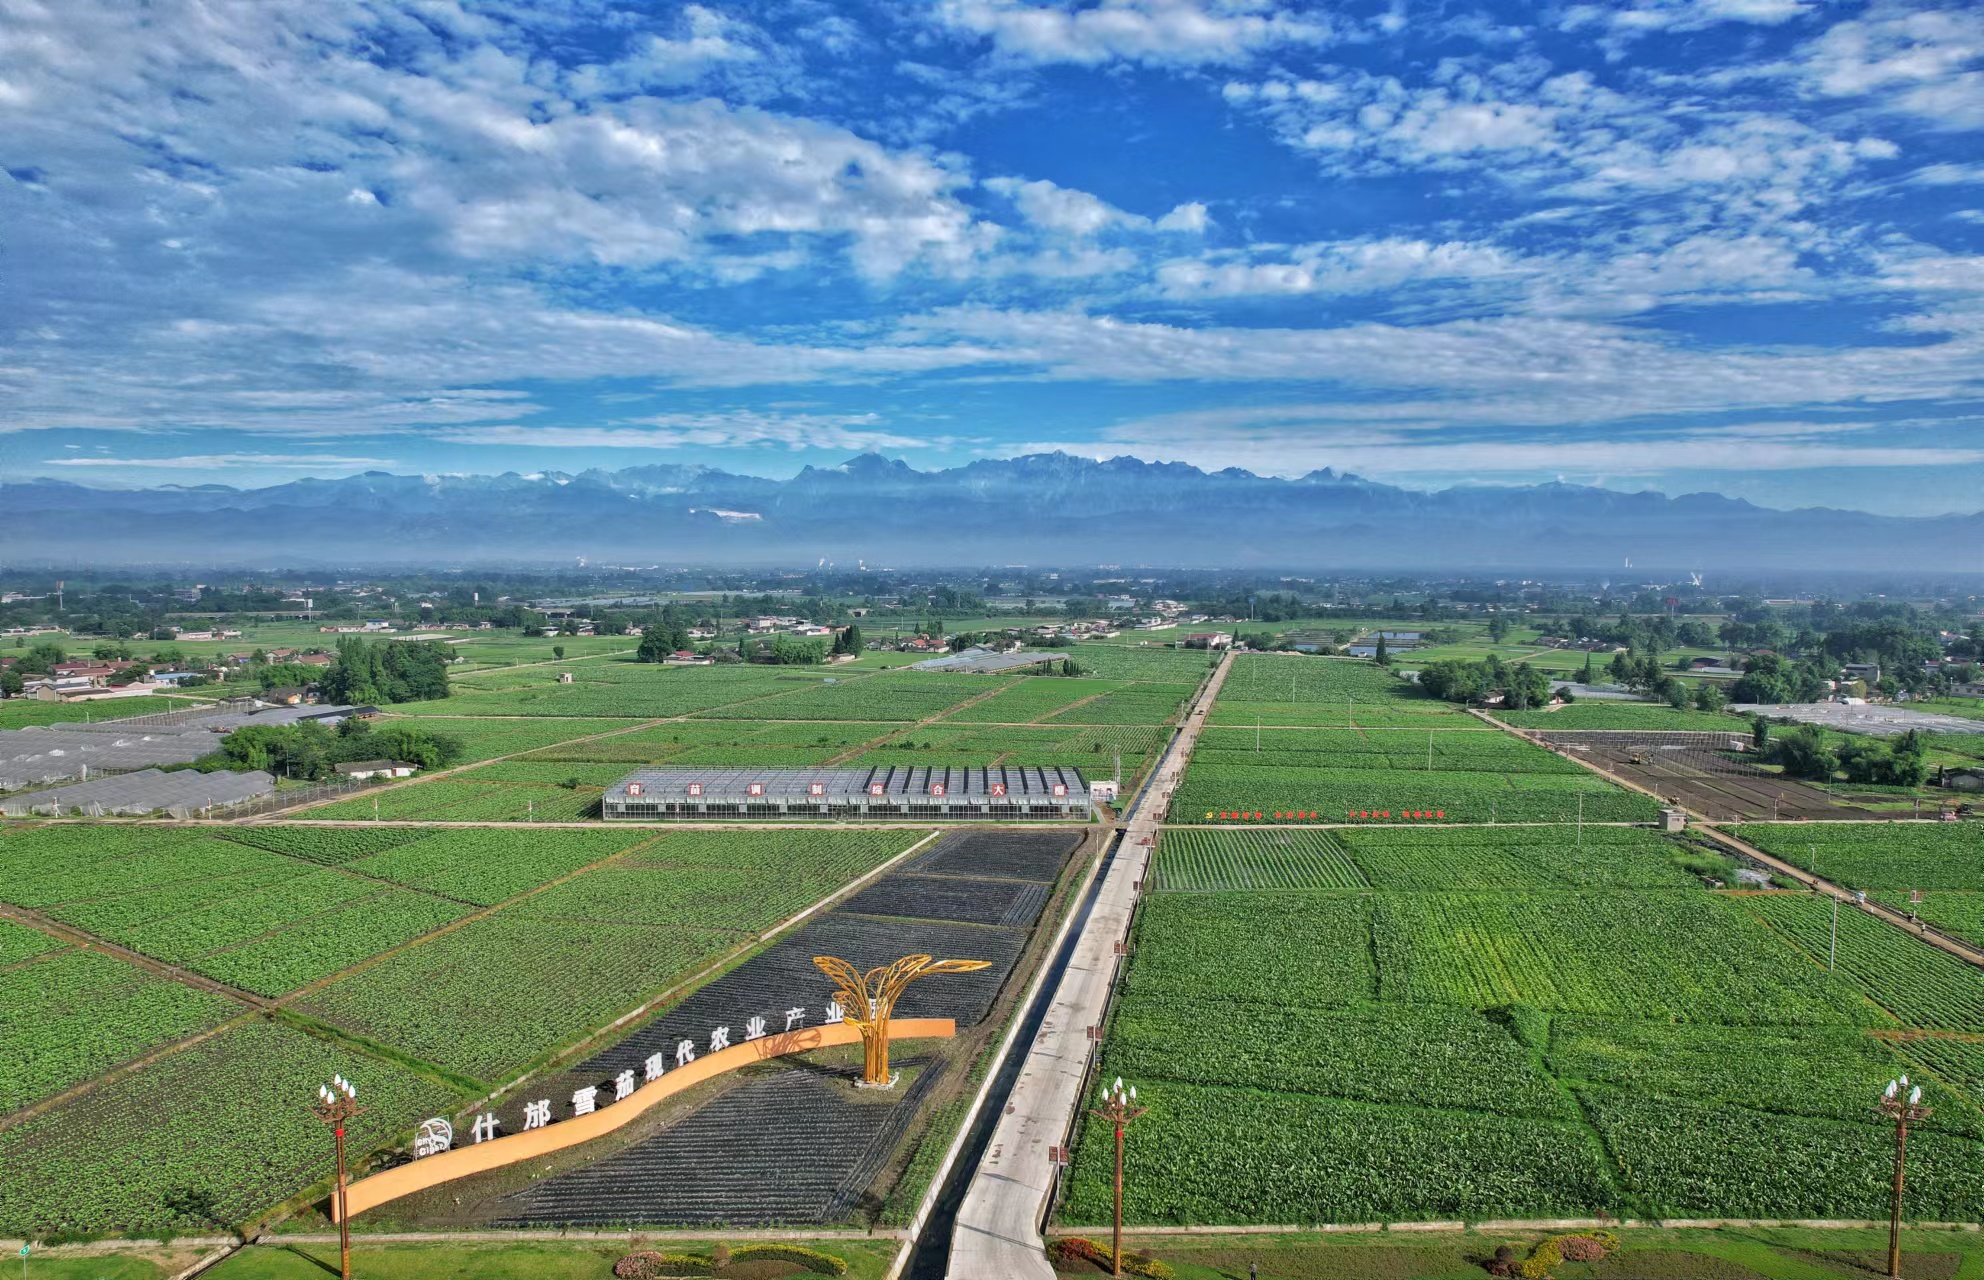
921 792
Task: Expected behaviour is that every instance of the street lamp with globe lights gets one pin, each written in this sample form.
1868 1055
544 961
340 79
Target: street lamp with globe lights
1900 1102
337 1103
1118 1107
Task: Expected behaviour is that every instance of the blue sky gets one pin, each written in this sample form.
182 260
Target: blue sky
1678 244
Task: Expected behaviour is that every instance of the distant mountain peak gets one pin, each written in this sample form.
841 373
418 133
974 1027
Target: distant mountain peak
1055 508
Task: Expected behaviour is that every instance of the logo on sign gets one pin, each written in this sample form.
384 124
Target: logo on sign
695 788
756 789
998 788
816 788
635 789
874 788
1060 790
433 1137
936 788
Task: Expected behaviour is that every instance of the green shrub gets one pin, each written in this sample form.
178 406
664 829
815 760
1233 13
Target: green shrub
813 1260
648 1265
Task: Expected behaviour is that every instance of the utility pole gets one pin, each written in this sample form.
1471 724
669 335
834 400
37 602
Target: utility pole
337 1103
1118 1107
1901 1103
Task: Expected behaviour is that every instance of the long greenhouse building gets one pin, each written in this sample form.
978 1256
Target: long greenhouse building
922 792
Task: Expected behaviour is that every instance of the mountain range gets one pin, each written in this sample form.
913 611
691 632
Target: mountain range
1041 509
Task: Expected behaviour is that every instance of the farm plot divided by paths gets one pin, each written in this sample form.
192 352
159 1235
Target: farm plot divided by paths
539 751
1390 1022
800 1145
460 955
1518 1022
1408 758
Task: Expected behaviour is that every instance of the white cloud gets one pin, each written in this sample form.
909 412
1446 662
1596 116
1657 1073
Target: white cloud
1055 208
1159 32
1189 217
1926 63
1644 16
716 430
1342 267
225 461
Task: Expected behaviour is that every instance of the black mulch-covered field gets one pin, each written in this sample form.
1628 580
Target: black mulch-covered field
796 1147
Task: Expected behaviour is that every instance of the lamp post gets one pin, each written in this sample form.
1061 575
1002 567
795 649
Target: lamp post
1118 1107
1900 1102
336 1103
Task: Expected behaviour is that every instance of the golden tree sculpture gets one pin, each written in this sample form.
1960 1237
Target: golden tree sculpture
867 1000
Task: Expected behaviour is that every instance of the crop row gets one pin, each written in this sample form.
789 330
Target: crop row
332 846
501 993
1235 1155
71 1015
40 866
1335 715
1333 793
1032 698
890 696
1331 681
485 866
1878 855
483 738
1919 985
1423 1056
1127 662
205 1138
18 943
1683 955
458 800
1448 859
1624 715
1816 1071
1190 859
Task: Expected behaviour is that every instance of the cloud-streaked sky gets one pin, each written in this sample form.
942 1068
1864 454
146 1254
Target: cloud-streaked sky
1680 244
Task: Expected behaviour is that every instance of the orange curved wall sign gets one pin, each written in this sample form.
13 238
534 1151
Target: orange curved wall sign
431 1171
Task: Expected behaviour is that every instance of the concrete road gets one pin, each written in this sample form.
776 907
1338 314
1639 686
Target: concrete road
998 1226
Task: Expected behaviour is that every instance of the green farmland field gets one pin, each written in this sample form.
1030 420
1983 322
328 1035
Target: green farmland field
1393 1024
424 962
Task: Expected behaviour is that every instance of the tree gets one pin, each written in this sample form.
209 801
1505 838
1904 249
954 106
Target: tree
40 659
1708 696
1585 679
1383 656
11 684
387 672
1760 735
1498 628
557 651
1803 754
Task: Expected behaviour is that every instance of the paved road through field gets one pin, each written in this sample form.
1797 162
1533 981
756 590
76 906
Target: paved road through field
998 1226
